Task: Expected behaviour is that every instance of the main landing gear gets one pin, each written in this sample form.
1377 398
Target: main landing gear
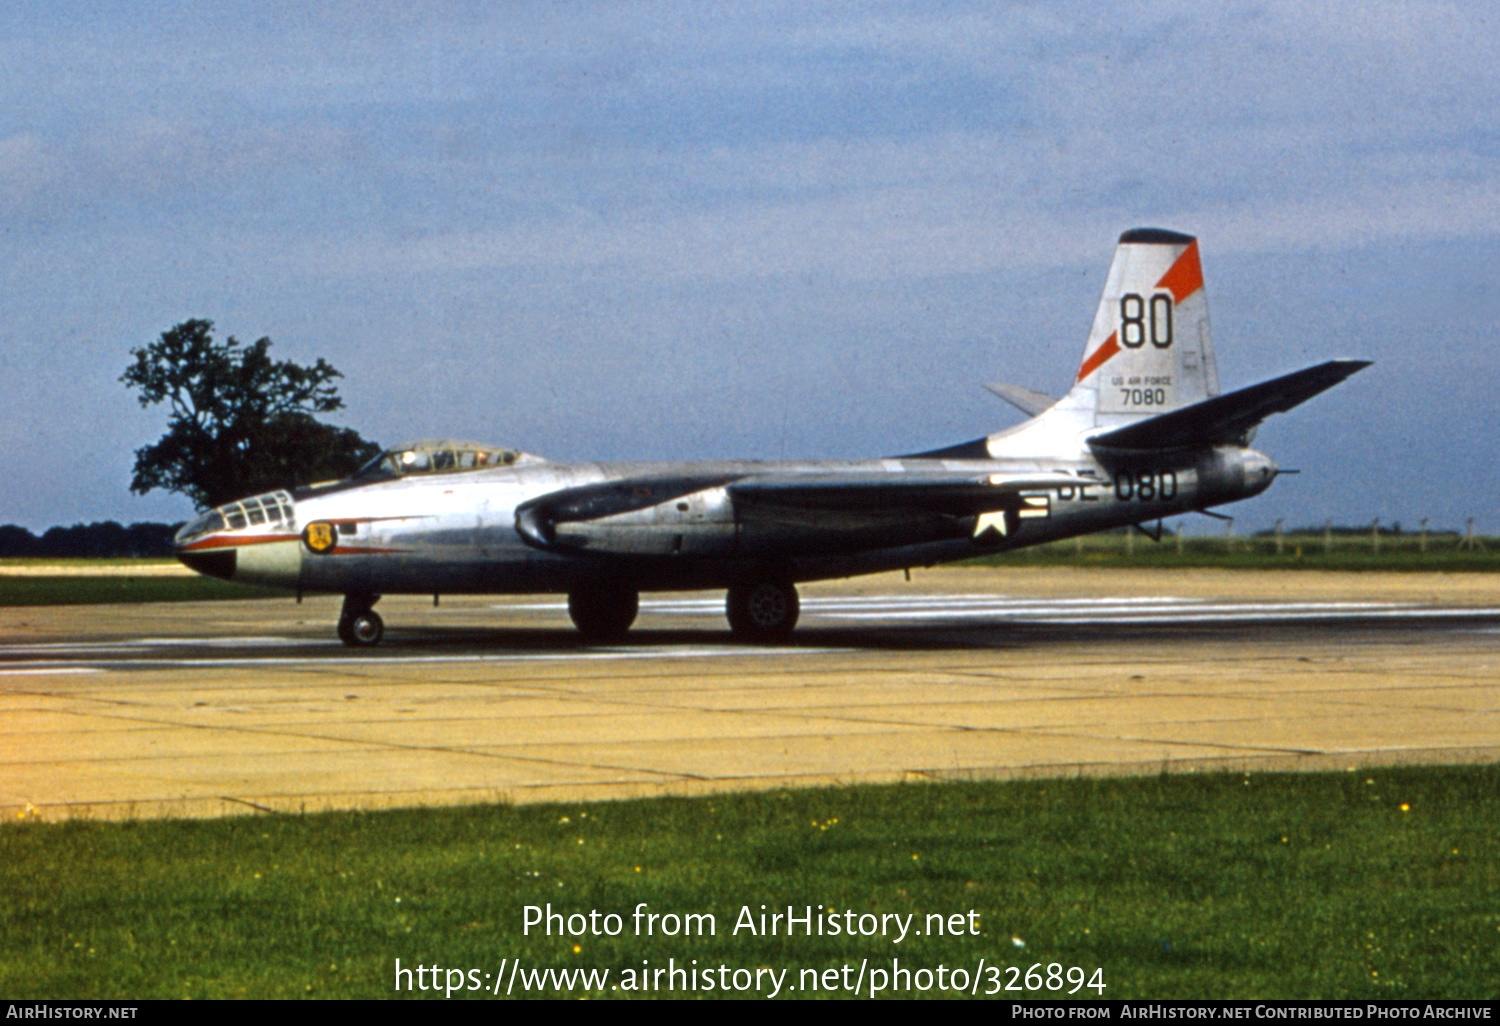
605 612
359 625
763 611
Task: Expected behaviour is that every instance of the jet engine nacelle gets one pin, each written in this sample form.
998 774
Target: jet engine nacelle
698 523
1229 475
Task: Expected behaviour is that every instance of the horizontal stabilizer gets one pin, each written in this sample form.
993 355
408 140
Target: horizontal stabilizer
1224 419
1028 401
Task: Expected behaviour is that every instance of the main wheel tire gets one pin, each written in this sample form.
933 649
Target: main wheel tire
604 614
765 611
361 630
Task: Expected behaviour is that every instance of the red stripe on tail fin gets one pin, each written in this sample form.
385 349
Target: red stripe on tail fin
1098 357
1185 276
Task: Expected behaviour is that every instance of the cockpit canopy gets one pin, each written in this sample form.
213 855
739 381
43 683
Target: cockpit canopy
435 457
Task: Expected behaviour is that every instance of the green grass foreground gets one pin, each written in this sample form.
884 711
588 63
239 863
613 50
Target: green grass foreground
1395 554
85 589
1362 884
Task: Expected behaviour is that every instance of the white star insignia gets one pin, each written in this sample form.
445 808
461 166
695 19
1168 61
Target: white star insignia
990 521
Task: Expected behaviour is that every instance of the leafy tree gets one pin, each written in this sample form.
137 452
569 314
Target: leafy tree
240 423
17 541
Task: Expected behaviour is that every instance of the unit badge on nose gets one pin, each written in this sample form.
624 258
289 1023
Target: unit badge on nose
320 536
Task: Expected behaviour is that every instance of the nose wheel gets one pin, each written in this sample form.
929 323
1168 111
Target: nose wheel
359 625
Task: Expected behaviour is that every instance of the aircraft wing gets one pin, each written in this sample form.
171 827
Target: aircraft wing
669 515
937 491
1224 419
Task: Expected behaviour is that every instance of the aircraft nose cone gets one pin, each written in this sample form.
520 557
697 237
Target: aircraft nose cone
198 547
210 562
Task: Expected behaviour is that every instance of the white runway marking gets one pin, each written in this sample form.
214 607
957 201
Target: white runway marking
1412 612
147 644
1103 610
914 606
1106 611
1113 610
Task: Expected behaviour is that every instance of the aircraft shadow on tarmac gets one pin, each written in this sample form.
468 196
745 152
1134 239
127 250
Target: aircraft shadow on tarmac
932 636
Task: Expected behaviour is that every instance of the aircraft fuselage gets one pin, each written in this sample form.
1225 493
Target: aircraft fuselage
460 533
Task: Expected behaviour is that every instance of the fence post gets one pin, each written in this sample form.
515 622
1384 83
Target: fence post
1375 536
1470 542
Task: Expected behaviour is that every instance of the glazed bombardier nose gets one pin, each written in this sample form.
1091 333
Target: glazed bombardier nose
202 545
211 543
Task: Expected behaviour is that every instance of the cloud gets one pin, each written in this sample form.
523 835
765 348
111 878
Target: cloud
25 168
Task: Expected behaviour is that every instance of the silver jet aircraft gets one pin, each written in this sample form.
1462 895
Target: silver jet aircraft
1144 433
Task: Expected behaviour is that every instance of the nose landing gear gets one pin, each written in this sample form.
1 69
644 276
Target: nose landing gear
359 625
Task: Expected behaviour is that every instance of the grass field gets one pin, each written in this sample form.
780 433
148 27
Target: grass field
84 590
1367 884
1404 553
51 582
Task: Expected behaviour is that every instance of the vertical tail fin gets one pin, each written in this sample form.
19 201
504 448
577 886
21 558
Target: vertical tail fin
1150 350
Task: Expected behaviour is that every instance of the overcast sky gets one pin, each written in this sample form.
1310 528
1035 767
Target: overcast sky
639 230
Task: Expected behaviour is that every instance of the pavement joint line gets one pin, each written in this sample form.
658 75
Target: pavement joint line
373 660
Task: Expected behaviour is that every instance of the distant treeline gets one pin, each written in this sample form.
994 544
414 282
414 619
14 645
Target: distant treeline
1363 530
107 540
